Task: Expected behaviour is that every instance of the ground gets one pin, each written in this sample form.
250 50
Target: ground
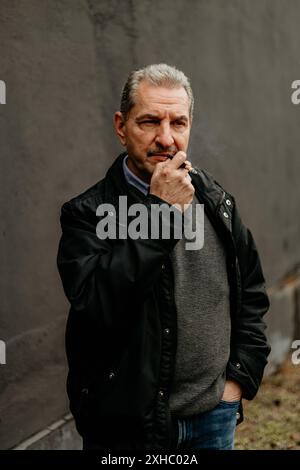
272 419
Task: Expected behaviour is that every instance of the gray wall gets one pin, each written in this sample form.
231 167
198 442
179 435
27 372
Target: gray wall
64 62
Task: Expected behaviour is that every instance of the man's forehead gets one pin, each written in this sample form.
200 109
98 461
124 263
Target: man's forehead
161 97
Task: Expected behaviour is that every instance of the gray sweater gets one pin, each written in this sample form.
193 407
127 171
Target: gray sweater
202 301
203 317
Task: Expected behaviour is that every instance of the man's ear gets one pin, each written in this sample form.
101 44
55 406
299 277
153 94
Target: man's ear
119 124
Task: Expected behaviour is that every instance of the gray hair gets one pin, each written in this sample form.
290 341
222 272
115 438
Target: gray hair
158 75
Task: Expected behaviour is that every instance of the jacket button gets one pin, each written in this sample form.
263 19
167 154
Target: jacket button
162 266
111 375
228 202
238 365
225 215
167 331
161 393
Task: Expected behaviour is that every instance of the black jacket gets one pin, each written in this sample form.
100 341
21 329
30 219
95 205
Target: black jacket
121 330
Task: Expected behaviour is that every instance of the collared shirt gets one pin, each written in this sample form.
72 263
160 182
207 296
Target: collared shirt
134 180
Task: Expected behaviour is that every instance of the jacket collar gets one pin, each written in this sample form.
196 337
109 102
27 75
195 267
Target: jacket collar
134 180
207 189
117 185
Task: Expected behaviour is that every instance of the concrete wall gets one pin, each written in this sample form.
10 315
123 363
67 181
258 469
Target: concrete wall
64 62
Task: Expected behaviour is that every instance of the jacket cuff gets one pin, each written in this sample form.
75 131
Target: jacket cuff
238 369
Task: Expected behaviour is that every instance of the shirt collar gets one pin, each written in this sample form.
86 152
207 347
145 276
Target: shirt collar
134 180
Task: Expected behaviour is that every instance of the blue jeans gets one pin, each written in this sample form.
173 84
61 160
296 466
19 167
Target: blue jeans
213 429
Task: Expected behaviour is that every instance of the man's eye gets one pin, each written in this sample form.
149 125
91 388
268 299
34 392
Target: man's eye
179 123
150 121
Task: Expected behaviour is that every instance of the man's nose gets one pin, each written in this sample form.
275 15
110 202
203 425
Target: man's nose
164 136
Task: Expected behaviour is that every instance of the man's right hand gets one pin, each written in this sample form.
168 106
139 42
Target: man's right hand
172 183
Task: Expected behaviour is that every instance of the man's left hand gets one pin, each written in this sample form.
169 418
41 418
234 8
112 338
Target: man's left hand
232 391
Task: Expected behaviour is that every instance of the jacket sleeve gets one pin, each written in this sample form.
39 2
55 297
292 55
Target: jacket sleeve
106 279
249 348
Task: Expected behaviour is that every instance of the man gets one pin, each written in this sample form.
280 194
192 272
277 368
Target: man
162 342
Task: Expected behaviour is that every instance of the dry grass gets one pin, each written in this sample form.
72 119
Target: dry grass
272 419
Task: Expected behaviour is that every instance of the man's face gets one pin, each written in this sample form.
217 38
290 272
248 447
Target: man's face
157 124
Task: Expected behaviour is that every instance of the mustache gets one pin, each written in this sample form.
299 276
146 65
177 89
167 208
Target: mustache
168 152
170 155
